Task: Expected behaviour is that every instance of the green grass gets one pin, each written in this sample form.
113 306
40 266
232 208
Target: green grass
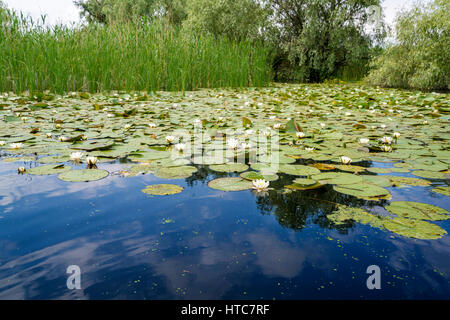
148 56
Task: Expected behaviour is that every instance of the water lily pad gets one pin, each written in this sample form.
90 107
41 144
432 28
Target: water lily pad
230 184
415 182
344 214
417 210
54 159
429 174
363 190
229 167
442 190
350 168
414 228
340 178
298 170
162 189
48 169
181 172
379 170
84 175
17 159
305 182
252 175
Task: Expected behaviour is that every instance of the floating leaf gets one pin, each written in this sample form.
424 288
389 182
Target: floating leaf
417 210
229 167
252 175
162 189
298 170
442 190
429 174
414 228
230 184
181 172
84 175
363 190
48 169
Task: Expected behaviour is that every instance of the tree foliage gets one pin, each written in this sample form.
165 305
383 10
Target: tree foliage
318 37
119 11
420 56
236 19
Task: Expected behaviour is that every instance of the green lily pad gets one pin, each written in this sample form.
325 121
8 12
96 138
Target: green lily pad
341 178
305 182
298 170
84 175
17 159
379 170
48 169
442 190
229 167
415 182
414 228
363 190
417 210
252 175
162 189
429 174
344 214
181 172
230 184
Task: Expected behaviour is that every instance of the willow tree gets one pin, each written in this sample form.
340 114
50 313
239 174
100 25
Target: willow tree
119 11
317 38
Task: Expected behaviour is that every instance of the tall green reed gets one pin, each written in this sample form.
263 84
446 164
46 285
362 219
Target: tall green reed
137 56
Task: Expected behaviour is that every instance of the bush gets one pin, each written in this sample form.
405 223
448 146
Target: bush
420 56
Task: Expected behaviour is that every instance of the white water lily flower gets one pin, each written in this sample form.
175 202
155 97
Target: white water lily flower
76 156
309 149
24 119
2 143
91 160
233 143
386 148
180 147
346 160
197 121
245 145
152 125
425 122
170 139
383 126
300 134
48 134
63 139
110 115
386 140
16 145
220 119
396 135
364 140
260 184
277 125
348 113
322 125
21 169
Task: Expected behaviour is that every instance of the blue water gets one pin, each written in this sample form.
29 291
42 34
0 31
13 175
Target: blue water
204 243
